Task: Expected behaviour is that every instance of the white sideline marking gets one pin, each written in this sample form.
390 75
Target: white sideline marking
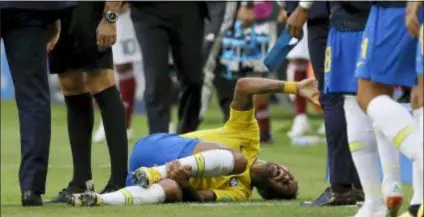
246 204
65 166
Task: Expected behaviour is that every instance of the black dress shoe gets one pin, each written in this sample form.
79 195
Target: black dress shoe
330 198
29 198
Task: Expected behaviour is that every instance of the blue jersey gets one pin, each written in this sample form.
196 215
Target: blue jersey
388 51
159 149
420 53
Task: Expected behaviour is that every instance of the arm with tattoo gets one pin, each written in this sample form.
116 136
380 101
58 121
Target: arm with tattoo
247 87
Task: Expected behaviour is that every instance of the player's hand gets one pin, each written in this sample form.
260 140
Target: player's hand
411 19
296 21
55 36
308 88
106 35
178 173
282 16
246 16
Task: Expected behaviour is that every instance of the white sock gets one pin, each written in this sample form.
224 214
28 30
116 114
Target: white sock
209 163
390 160
363 147
135 195
394 121
417 178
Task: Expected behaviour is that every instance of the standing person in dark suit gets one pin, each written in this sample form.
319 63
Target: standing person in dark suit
177 25
26 31
343 176
83 61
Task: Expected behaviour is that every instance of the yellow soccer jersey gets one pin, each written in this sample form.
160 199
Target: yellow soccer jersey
241 133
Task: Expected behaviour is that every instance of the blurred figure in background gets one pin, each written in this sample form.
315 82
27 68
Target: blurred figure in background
126 52
177 25
297 71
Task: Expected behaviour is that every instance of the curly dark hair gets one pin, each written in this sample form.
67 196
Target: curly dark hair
289 193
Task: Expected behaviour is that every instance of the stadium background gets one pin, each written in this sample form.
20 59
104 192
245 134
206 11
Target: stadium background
308 163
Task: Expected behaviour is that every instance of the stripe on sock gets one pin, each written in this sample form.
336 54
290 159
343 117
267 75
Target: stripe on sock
128 196
200 161
402 134
355 146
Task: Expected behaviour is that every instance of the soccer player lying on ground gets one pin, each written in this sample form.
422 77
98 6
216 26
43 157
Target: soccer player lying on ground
208 165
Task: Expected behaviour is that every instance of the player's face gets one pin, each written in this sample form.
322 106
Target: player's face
280 183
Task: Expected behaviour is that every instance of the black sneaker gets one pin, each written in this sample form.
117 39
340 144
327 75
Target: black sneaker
88 198
66 193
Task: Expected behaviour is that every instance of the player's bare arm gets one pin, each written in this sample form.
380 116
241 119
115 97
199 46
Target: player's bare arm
247 87
106 30
411 19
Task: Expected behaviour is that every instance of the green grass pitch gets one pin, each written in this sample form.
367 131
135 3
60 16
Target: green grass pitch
307 164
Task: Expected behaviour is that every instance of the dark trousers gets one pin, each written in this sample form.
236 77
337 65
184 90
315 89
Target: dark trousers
341 167
159 27
25 34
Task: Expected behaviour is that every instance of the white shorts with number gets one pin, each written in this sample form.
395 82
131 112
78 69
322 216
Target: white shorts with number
301 50
126 49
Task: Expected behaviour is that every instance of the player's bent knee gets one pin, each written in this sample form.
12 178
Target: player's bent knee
240 163
100 80
172 190
72 83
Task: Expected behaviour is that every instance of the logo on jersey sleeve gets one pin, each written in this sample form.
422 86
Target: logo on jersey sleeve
234 182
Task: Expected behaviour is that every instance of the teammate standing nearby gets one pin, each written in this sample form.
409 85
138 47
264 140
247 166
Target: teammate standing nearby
26 29
379 69
413 25
222 163
83 61
347 24
126 52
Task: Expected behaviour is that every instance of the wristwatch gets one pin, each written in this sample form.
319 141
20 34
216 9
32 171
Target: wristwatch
111 16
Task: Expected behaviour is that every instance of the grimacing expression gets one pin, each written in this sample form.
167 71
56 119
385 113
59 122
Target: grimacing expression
280 183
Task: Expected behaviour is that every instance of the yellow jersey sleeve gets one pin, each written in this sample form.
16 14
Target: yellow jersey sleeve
242 120
231 194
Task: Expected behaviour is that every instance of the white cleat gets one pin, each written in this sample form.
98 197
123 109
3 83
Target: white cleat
300 126
393 197
376 212
321 130
100 135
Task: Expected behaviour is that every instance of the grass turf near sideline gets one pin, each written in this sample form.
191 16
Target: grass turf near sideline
307 164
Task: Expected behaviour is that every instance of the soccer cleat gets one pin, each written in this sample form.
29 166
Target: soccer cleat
145 176
89 198
394 198
100 136
367 212
300 126
66 193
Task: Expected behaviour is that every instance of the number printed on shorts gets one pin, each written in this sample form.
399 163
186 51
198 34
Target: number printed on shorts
129 47
327 66
364 48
